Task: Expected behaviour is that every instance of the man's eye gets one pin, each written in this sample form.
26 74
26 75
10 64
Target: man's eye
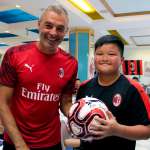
49 26
60 29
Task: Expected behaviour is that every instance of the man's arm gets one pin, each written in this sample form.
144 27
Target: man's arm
8 119
66 103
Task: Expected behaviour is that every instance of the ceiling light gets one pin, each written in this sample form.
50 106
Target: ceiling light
7 31
18 6
86 8
116 33
83 5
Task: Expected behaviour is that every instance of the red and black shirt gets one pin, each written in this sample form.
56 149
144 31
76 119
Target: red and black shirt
127 101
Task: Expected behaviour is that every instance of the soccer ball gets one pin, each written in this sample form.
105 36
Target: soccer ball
82 113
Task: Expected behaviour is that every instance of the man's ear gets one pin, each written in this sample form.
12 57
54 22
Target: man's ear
38 23
67 29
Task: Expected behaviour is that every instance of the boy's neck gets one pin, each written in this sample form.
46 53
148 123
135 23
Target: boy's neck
108 80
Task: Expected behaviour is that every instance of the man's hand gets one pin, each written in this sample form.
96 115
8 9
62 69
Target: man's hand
22 147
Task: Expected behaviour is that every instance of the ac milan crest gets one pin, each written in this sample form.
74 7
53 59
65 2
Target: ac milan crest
117 99
61 72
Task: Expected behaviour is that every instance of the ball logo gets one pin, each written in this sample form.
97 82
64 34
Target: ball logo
117 99
61 72
82 114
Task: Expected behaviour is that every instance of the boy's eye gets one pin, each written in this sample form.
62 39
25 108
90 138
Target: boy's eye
98 53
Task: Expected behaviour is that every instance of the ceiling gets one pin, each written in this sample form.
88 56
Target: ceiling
130 19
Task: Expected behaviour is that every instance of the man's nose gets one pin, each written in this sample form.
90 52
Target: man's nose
53 31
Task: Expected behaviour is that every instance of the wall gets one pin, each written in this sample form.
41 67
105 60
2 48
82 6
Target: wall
2 52
64 45
137 53
140 53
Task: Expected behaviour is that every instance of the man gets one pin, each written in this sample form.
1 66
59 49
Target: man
35 80
128 104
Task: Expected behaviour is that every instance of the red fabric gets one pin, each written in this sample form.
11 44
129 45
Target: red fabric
141 70
38 80
132 67
143 94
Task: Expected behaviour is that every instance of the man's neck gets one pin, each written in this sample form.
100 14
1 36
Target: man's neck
46 50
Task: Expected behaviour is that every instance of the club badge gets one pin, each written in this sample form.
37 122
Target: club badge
61 72
117 99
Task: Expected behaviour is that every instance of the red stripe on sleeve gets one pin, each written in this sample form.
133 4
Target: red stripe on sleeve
143 94
84 82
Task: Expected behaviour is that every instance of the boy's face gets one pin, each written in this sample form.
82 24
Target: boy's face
108 59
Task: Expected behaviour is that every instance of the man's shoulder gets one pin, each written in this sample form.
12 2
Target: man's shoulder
87 83
21 48
66 54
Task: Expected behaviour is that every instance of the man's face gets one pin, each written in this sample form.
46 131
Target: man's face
52 28
108 59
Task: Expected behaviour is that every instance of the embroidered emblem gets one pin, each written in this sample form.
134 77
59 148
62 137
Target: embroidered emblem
61 72
29 67
117 99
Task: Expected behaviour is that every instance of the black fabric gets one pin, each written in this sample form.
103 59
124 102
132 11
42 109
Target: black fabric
1 136
11 147
127 112
108 144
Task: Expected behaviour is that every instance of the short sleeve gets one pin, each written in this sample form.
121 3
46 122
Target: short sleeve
140 106
69 89
8 74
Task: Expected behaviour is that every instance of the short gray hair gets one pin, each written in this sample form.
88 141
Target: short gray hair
59 9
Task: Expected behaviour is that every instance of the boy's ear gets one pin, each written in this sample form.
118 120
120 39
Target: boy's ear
122 59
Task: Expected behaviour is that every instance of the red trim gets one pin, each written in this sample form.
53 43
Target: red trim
141 68
123 68
135 67
84 82
143 94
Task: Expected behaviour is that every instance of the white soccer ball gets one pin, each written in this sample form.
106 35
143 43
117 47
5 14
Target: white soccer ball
81 115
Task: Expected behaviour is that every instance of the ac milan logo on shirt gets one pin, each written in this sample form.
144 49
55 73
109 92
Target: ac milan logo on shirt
61 72
117 99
